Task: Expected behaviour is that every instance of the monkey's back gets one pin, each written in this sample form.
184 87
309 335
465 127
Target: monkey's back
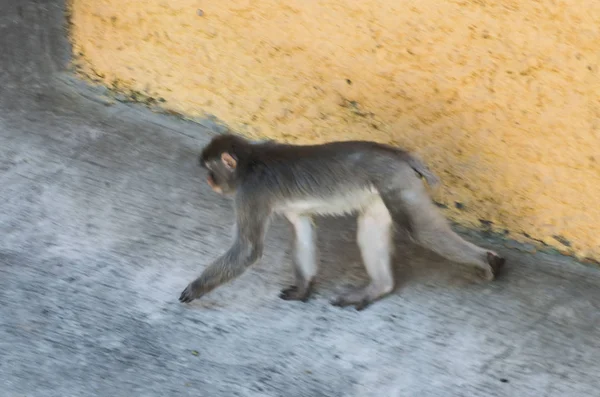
331 178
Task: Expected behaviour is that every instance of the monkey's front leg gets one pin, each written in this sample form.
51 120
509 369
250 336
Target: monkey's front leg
229 266
246 250
304 258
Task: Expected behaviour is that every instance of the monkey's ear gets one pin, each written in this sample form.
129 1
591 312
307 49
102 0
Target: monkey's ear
228 160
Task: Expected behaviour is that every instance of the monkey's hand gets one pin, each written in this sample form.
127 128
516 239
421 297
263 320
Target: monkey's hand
193 291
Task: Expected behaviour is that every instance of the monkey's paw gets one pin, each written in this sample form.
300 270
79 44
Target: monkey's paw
190 293
359 304
293 293
495 262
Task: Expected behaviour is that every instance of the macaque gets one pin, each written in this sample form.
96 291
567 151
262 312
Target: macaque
380 183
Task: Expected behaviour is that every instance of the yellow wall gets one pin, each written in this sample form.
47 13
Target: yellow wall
500 97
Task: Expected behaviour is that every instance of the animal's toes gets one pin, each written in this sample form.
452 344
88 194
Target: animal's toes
339 302
343 301
289 293
362 304
295 293
187 295
496 263
359 304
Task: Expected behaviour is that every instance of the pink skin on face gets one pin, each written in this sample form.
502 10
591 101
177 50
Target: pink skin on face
212 185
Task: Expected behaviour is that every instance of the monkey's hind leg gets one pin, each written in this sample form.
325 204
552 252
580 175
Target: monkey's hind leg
431 230
374 237
304 259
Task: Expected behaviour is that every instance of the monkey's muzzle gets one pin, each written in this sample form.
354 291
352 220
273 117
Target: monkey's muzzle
211 181
213 185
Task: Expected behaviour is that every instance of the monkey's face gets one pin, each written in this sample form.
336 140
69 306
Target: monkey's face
221 173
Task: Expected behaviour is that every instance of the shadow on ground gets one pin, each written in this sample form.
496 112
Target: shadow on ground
105 217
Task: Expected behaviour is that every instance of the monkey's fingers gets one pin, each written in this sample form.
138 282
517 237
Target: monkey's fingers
189 294
344 302
294 293
288 293
496 263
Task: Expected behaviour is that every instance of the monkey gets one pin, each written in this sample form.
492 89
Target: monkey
380 183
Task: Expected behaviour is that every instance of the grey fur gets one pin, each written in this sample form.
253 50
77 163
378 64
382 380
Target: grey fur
336 178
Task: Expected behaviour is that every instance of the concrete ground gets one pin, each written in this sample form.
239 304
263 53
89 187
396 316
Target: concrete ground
105 218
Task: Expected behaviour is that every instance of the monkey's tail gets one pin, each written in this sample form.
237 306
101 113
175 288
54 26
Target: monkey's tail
419 166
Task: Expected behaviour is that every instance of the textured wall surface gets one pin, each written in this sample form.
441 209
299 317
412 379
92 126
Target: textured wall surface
501 98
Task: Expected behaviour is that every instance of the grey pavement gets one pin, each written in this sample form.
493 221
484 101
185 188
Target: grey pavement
105 217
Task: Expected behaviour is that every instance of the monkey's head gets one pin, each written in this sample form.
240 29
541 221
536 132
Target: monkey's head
224 158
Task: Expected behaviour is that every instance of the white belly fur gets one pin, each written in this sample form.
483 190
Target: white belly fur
335 205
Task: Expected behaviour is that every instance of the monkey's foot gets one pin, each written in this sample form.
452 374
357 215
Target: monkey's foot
343 301
189 294
295 293
496 262
363 297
